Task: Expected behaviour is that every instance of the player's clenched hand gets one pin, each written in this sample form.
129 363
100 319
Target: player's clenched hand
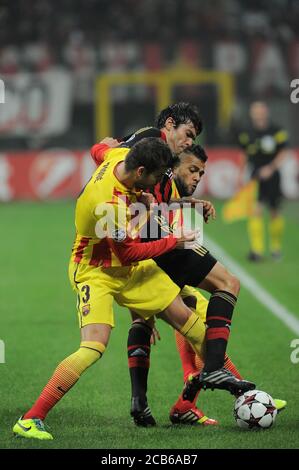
187 237
208 211
110 141
155 336
207 206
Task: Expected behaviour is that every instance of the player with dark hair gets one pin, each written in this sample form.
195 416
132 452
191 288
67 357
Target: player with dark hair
178 114
263 144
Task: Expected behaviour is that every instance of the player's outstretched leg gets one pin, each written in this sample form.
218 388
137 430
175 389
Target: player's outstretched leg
185 411
224 288
189 325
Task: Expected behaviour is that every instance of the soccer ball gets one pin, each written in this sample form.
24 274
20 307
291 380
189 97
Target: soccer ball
255 409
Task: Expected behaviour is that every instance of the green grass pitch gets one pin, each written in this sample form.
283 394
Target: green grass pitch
39 328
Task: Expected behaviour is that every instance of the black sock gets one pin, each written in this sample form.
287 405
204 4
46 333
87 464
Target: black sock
219 315
139 358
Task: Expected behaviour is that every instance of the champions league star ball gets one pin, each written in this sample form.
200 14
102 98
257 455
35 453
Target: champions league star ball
255 409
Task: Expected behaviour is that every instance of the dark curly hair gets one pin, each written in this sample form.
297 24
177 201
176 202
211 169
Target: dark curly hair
181 113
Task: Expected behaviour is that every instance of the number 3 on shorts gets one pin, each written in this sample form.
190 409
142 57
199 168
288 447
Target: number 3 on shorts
86 290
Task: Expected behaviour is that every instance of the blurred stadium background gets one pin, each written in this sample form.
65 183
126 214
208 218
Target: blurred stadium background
75 71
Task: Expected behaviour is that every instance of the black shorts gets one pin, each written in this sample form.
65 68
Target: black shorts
269 191
186 267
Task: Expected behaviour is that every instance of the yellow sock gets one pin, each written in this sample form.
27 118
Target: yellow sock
194 331
256 232
276 229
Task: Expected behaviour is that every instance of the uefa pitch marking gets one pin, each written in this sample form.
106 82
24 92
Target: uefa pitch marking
261 294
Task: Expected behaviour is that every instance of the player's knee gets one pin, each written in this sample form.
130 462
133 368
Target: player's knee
97 332
230 283
233 285
176 314
142 325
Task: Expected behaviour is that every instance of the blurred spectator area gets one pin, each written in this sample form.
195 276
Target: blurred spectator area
256 41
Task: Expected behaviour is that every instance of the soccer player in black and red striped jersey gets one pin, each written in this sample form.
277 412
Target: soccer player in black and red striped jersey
179 125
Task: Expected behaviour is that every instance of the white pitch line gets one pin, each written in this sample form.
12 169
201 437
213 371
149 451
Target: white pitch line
263 296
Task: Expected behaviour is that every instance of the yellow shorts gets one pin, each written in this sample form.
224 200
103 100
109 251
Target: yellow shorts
201 301
143 288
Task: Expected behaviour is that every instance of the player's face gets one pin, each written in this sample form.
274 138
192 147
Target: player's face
189 173
259 114
180 137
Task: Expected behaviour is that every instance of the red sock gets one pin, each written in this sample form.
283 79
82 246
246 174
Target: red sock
65 376
191 364
187 355
229 365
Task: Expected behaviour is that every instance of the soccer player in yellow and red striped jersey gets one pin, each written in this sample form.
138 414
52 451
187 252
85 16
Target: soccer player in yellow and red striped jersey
104 266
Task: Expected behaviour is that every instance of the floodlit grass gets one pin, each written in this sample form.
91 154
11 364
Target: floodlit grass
39 328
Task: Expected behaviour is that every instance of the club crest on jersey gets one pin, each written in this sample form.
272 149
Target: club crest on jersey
85 310
118 235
